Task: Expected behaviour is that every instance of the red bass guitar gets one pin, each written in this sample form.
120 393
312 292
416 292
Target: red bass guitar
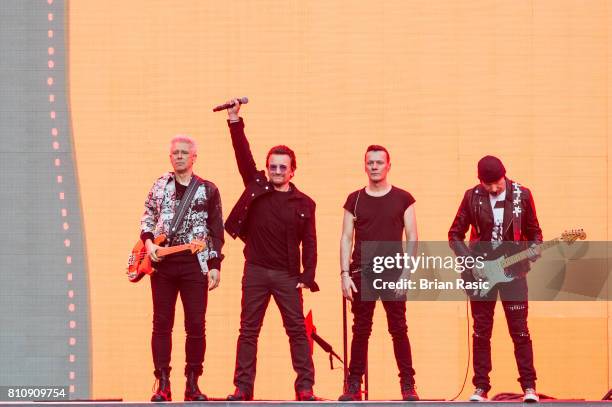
140 264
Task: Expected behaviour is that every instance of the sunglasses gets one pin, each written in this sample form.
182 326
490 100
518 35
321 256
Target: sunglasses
282 168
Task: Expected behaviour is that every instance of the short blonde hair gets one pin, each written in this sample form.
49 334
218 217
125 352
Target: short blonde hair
183 138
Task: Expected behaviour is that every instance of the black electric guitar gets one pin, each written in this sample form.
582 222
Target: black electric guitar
494 271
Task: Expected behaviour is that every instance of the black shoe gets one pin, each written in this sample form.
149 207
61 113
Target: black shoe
163 392
409 393
306 395
352 392
239 395
192 391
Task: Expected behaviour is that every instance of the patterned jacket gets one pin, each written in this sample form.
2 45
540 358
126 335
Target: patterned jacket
203 220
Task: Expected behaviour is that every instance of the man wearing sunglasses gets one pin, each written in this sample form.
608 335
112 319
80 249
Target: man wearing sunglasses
273 218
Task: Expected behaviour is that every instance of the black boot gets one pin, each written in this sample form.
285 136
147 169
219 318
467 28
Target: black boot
409 392
163 392
192 391
352 391
240 395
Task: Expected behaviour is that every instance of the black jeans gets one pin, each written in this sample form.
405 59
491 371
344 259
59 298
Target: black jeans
258 285
514 300
363 312
167 282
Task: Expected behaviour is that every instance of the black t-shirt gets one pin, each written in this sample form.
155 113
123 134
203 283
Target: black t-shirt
266 245
180 190
377 218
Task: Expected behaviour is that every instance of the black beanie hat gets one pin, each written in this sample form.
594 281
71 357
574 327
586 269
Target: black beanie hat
490 169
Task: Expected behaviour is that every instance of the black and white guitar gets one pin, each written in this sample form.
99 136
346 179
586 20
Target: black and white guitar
493 272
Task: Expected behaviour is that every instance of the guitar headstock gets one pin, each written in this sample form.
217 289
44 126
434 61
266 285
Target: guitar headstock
196 246
571 236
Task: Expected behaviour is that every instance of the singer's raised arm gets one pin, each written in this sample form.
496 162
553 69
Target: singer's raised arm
244 156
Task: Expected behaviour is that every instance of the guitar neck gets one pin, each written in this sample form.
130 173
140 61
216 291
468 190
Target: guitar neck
524 255
165 251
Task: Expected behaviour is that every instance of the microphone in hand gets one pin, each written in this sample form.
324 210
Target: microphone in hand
243 100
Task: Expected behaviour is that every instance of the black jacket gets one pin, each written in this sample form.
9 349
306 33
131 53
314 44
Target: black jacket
301 230
475 212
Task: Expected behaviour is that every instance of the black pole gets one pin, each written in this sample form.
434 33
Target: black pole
344 343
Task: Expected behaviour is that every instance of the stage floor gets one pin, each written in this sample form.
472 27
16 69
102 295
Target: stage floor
303 403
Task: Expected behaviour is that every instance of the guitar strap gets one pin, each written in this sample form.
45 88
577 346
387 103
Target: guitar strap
516 211
177 220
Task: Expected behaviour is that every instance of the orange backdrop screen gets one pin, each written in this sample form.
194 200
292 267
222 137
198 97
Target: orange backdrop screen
440 84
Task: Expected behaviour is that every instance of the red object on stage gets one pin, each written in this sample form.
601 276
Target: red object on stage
310 329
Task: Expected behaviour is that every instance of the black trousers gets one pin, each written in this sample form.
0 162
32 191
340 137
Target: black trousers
258 286
167 282
363 312
514 300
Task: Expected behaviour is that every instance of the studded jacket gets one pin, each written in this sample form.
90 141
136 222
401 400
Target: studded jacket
475 211
302 229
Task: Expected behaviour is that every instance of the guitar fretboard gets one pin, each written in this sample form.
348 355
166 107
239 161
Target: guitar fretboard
509 261
165 251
